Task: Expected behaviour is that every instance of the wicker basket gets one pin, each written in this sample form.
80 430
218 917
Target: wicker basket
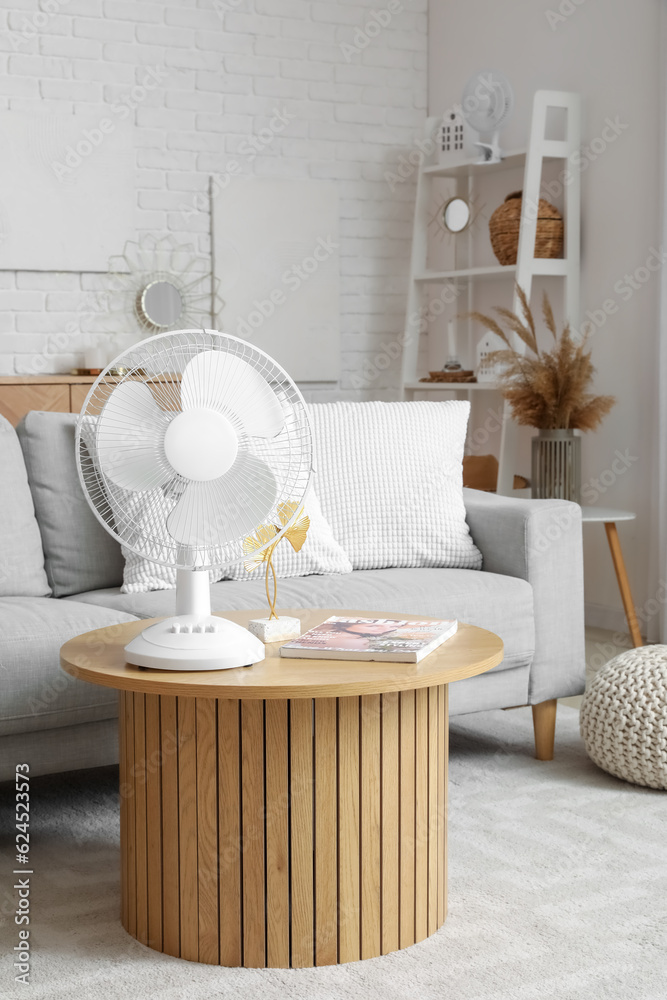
504 230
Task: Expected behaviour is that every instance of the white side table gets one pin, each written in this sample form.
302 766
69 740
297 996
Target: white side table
609 517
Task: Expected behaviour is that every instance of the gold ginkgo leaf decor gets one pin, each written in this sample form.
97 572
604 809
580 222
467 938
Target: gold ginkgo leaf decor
295 535
264 534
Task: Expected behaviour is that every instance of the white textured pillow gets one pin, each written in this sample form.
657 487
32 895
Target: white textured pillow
390 482
319 554
141 574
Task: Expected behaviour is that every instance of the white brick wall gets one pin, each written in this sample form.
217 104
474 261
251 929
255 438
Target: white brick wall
352 73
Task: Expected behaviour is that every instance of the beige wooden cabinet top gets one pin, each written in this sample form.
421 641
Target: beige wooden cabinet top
98 657
47 379
19 394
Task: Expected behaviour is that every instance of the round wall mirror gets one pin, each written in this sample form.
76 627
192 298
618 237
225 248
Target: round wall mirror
161 304
456 215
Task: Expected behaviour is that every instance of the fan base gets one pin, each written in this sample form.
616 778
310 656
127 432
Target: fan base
194 642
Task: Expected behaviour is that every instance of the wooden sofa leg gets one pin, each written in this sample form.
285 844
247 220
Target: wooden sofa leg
544 724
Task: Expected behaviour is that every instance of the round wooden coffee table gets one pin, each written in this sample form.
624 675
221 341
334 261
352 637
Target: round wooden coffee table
292 813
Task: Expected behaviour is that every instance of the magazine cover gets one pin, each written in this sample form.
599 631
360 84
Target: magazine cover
371 639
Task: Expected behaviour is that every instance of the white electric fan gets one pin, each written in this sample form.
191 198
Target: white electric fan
187 443
487 104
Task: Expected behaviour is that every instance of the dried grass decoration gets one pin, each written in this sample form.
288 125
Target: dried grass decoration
551 390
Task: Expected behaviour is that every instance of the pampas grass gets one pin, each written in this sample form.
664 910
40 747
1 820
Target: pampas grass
549 390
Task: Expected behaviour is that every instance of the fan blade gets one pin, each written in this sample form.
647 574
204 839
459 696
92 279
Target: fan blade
229 384
224 510
130 431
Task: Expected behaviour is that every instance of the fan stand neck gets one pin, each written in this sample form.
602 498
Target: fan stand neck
193 592
490 151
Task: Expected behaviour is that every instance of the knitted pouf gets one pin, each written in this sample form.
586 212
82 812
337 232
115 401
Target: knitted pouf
624 717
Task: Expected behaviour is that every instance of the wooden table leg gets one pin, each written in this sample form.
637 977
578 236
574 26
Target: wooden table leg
623 582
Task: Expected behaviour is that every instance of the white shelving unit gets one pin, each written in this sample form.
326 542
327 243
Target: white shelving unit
467 177
454 387
543 265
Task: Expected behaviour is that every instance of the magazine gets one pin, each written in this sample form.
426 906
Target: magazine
390 639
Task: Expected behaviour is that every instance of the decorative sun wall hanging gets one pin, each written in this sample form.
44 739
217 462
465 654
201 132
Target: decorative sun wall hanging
159 284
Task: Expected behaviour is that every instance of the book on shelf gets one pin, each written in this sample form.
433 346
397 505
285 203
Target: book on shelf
390 639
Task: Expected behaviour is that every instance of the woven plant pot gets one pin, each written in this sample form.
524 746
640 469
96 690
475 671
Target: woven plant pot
504 230
556 466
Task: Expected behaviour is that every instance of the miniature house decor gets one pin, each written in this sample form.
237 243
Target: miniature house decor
454 138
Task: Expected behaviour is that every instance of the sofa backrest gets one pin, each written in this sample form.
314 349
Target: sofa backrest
21 558
79 555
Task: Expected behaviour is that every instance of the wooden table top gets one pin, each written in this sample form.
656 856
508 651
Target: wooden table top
98 657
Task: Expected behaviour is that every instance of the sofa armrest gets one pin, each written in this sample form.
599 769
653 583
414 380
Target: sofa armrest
539 541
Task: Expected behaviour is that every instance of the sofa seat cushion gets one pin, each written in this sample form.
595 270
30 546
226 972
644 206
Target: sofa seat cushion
503 604
36 693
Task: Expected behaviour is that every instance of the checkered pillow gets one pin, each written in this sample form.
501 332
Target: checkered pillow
319 554
390 482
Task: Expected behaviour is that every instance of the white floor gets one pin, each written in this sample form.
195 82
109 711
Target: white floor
557 891
601 646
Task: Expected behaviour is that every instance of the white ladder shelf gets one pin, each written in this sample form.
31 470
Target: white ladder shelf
540 149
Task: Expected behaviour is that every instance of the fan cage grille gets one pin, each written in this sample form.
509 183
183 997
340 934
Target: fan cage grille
488 101
138 519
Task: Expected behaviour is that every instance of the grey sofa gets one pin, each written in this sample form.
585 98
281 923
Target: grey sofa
60 575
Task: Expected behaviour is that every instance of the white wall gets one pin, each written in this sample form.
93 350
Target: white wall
351 81
609 52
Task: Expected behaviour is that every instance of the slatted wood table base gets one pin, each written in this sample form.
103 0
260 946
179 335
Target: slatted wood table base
289 814
272 833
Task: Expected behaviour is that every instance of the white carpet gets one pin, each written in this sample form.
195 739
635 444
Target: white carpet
558 889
